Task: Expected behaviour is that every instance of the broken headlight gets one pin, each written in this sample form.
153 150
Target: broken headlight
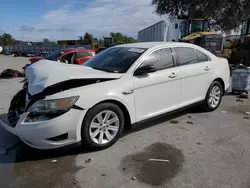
44 110
54 105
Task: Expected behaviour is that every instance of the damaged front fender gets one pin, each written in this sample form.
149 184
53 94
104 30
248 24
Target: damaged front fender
63 86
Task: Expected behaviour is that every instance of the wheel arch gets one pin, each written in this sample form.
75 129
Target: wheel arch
122 107
221 82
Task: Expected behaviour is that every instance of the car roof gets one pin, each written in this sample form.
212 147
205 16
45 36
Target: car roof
153 45
156 44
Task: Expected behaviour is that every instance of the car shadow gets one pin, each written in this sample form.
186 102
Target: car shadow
167 117
31 154
25 153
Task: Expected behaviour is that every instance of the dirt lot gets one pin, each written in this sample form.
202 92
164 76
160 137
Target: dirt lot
201 150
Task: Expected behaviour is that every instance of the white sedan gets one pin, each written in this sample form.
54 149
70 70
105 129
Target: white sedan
64 104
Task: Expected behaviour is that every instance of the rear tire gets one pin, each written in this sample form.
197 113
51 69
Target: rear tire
102 126
213 97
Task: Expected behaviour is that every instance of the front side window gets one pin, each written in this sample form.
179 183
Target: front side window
69 58
55 55
162 59
116 60
187 56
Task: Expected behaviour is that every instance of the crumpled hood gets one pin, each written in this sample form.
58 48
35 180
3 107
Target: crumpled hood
44 73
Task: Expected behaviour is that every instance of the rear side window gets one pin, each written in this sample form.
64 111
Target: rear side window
162 59
83 54
187 56
201 57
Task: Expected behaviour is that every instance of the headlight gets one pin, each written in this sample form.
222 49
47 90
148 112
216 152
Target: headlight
54 105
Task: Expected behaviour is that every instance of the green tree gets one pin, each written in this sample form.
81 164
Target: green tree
229 14
88 38
45 40
6 39
95 39
81 40
129 39
119 38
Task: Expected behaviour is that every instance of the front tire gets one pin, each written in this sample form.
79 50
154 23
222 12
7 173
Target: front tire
213 97
102 126
17 107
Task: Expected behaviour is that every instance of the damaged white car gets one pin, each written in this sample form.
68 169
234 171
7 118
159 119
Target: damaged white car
64 104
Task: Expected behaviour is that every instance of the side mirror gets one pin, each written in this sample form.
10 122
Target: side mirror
145 69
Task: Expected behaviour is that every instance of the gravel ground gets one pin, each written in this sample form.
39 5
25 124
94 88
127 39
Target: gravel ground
200 150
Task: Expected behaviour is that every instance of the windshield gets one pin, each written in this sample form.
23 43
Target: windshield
55 55
116 60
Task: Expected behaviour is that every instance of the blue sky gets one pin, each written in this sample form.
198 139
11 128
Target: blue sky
30 11
68 19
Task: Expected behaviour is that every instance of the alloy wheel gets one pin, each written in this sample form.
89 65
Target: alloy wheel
104 127
214 96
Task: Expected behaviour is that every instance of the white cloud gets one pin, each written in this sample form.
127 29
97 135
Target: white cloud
2 31
100 17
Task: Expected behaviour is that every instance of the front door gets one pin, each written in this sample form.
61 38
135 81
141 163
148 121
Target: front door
158 92
68 58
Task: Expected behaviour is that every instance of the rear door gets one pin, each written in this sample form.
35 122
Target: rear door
195 72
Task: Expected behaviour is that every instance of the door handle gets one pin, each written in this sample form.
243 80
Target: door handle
207 68
173 75
128 92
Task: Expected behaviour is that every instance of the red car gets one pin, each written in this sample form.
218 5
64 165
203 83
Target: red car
69 55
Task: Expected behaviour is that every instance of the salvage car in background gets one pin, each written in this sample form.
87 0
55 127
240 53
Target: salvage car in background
64 104
69 55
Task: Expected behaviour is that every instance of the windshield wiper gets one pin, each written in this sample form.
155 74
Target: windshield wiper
103 69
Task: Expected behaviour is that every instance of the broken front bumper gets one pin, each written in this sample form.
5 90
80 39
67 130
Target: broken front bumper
40 134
